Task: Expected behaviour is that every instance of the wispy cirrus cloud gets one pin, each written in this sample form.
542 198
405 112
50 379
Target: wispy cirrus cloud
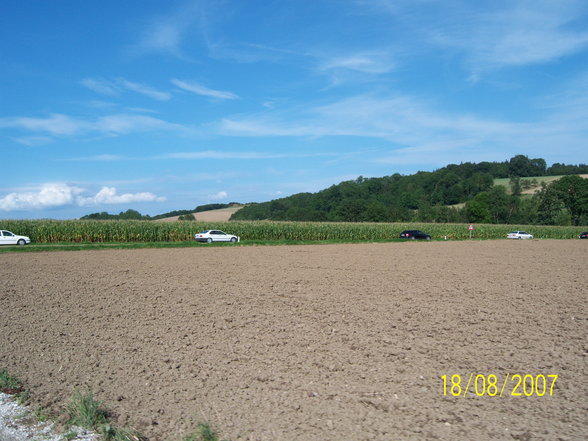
102 86
401 119
111 125
355 67
489 35
56 124
33 141
369 62
414 127
53 195
124 124
144 90
116 87
216 154
199 89
519 33
204 154
165 33
103 158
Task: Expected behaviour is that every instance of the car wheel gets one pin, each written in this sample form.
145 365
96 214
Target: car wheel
233 239
412 238
21 242
428 237
209 240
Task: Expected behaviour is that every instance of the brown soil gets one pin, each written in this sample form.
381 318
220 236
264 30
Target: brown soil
325 342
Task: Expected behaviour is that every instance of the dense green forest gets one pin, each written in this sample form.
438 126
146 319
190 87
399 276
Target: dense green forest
455 193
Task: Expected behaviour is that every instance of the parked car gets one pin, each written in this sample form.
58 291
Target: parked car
215 236
8 238
414 234
583 235
519 235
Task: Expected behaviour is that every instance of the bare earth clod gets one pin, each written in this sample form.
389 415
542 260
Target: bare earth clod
305 343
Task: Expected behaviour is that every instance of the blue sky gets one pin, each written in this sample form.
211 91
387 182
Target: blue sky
158 106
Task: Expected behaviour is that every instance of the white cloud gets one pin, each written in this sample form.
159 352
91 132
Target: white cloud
218 196
108 195
202 90
53 195
48 196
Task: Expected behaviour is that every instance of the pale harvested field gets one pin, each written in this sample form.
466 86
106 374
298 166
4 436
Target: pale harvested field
548 181
220 215
324 342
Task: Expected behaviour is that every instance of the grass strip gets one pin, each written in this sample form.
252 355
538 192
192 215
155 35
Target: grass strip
85 412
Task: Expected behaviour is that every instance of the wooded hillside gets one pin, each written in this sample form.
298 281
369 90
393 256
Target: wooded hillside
455 193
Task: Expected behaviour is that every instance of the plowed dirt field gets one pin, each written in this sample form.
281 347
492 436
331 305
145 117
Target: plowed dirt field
309 343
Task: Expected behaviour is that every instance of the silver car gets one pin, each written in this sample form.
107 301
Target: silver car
215 236
519 235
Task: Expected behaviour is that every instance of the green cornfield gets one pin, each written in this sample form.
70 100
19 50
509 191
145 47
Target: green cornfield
90 231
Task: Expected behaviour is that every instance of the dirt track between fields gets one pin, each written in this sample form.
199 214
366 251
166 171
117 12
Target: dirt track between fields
306 343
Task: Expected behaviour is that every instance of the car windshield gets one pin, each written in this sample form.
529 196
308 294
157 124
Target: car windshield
205 231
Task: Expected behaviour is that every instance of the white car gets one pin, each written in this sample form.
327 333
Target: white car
519 235
215 236
8 238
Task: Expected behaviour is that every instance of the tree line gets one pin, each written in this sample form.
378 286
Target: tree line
455 193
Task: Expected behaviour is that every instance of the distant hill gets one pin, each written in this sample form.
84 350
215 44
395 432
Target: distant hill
208 212
520 190
217 215
488 192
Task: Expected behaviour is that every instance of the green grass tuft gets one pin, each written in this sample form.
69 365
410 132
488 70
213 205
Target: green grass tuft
7 381
84 411
203 433
13 386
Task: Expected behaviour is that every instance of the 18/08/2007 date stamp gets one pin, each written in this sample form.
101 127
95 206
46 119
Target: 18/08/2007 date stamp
514 385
